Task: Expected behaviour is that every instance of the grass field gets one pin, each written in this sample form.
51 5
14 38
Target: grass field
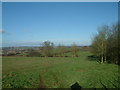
57 72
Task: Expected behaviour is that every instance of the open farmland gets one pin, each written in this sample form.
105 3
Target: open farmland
58 72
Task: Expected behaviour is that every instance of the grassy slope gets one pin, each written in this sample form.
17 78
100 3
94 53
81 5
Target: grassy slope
53 72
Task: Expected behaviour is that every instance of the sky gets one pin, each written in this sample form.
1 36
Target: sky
0 16
31 23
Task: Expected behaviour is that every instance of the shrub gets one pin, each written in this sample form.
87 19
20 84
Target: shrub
34 54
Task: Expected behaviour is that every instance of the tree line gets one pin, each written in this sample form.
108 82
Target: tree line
48 49
105 44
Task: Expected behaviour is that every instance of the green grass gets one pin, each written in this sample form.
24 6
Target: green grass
57 72
0 72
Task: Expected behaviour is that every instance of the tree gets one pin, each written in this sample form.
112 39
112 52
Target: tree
61 49
34 53
74 49
95 47
47 48
112 47
106 44
99 43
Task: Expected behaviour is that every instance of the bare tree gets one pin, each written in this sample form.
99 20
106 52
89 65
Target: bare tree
47 48
106 43
99 43
112 45
61 49
74 49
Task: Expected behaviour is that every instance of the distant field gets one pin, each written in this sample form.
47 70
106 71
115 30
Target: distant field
57 72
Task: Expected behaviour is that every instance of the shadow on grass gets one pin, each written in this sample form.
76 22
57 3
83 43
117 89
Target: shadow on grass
115 83
104 86
93 58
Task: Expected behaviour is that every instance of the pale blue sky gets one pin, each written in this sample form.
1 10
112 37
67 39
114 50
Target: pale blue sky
29 24
0 16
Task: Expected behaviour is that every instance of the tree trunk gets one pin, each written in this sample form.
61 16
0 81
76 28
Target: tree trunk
102 59
105 59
